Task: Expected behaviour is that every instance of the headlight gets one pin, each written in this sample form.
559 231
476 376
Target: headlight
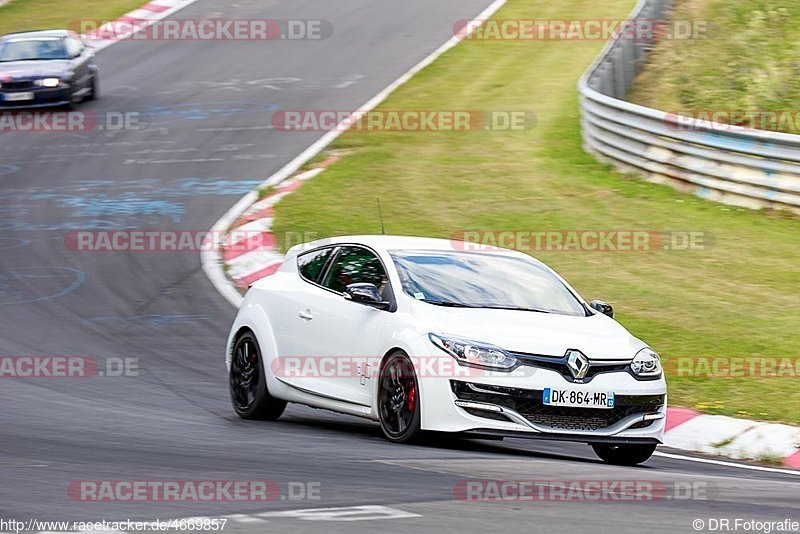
48 82
646 364
474 353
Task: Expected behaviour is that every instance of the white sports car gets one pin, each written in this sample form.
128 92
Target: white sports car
427 335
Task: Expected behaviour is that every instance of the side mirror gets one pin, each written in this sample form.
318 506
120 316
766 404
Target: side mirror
365 293
603 307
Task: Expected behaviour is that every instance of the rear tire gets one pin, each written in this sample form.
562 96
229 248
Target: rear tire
398 399
623 454
248 384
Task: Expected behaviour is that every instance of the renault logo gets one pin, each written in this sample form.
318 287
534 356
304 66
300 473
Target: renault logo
577 363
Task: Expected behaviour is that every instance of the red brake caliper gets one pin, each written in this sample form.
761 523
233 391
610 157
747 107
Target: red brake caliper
411 398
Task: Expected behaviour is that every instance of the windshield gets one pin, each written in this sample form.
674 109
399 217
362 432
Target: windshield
32 49
474 280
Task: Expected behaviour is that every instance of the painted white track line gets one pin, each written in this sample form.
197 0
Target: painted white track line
727 464
212 259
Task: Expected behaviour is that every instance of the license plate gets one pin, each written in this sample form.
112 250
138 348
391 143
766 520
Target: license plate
17 97
578 399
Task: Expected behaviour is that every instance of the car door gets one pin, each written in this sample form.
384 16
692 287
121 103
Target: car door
345 338
286 302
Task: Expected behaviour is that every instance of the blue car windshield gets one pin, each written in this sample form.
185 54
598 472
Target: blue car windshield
32 49
484 280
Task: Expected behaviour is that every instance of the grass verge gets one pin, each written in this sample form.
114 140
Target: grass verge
738 298
22 15
749 62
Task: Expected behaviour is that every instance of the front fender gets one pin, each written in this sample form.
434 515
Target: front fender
253 316
418 347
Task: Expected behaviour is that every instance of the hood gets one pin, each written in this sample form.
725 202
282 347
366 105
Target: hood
34 69
548 334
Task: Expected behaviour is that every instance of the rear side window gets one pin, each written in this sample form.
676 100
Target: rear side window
311 264
355 265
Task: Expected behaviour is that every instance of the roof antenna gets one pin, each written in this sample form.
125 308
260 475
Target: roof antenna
380 216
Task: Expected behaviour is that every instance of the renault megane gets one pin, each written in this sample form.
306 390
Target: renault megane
431 335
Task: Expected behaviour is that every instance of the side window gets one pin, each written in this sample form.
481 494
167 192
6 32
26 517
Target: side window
355 265
312 263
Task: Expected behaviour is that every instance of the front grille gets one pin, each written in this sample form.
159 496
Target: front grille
565 418
559 365
12 86
528 403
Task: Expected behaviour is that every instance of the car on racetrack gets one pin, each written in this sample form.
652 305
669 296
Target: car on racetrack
427 334
48 68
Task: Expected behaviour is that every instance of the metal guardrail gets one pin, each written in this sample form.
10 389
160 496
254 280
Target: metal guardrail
734 165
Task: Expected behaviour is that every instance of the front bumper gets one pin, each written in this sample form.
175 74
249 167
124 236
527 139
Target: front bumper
511 405
525 407
42 98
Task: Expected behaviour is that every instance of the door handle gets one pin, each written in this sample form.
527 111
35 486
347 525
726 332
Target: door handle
305 315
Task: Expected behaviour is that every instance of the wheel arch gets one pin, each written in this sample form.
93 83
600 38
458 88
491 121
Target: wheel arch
253 317
235 337
376 386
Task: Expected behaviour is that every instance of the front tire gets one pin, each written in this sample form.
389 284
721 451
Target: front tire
93 91
73 102
398 399
248 384
623 454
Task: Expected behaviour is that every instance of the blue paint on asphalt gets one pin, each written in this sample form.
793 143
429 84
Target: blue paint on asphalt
151 319
9 169
10 243
36 284
124 206
148 201
13 225
194 111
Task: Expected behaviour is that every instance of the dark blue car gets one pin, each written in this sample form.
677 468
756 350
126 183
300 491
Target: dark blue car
46 68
